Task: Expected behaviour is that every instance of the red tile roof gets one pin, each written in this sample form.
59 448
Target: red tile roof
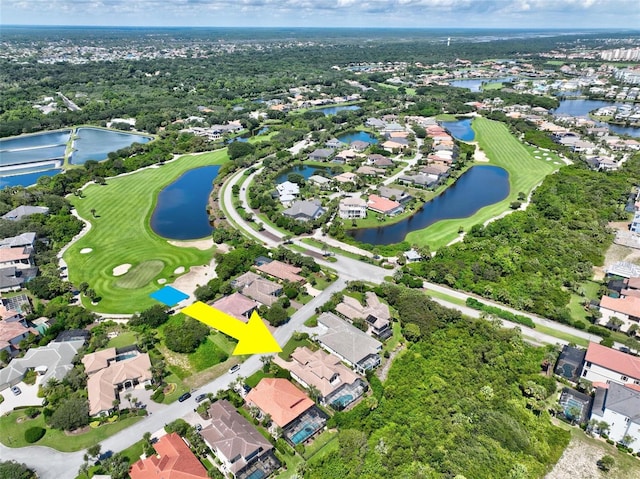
279 398
281 270
613 360
629 305
174 461
383 205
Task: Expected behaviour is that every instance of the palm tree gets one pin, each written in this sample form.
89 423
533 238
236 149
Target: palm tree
93 212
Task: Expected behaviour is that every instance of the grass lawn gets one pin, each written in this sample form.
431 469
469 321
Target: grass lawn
253 380
319 443
123 339
504 150
13 433
395 338
121 234
292 344
492 86
134 451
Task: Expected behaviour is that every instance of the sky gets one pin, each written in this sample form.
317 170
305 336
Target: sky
623 14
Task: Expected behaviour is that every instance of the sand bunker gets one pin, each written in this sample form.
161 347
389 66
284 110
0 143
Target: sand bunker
86 250
538 157
179 270
162 280
545 154
122 269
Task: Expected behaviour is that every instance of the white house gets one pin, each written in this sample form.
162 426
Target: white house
619 407
352 208
606 365
287 192
626 309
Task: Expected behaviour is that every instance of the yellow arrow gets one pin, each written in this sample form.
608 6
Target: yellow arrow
253 337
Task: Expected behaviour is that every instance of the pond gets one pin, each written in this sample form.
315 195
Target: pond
460 130
26 179
96 144
305 170
180 212
32 148
583 107
478 187
475 84
358 136
332 110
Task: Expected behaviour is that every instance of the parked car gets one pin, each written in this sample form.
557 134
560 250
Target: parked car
16 390
234 369
198 427
201 397
184 397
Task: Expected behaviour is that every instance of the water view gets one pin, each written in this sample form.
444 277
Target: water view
180 212
26 179
305 170
475 85
358 136
332 110
96 144
461 129
583 107
478 187
29 148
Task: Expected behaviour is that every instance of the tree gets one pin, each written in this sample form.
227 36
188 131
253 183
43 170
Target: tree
94 451
15 470
185 336
93 212
117 465
276 315
152 317
70 414
412 332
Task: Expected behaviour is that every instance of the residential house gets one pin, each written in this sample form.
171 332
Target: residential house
346 177
336 384
242 450
382 162
382 205
20 258
394 146
375 123
287 192
619 407
321 154
352 208
283 271
417 180
109 373
174 460
626 309
375 313
24 240
11 279
237 305
353 346
321 181
392 127
370 171
256 287
624 269
306 210
11 315
11 333
606 365
412 256
569 364
289 408
52 361
334 144
20 212
401 196
359 145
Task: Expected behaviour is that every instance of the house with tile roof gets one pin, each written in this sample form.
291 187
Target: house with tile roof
237 305
384 206
283 271
11 333
241 449
289 408
606 365
337 384
374 312
174 460
626 308
109 373
20 258
619 407
351 345
256 287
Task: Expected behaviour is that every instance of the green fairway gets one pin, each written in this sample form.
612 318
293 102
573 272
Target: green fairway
502 149
121 234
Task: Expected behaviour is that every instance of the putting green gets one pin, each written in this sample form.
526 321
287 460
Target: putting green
140 275
504 150
121 234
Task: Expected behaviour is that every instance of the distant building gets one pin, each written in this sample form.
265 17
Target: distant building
20 212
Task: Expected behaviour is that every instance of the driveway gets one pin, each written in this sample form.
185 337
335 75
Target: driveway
29 397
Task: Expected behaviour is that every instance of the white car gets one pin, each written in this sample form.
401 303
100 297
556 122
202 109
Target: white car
234 369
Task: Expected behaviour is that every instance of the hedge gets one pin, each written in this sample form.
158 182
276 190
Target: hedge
34 434
501 313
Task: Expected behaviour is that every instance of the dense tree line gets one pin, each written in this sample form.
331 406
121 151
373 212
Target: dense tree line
533 259
459 403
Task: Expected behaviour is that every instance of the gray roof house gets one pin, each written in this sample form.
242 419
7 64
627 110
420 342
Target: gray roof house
334 143
20 241
321 154
401 196
359 145
321 181
11 279
20 212
54 360
242 450
353 346
306 210
619 406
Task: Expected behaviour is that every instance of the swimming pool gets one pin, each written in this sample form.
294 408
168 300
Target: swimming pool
342 401
302 435
122 357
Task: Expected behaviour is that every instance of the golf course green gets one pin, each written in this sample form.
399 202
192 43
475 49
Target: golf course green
504 150
121 238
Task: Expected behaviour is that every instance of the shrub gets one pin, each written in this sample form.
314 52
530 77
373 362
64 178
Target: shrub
34 434
158 396
606 463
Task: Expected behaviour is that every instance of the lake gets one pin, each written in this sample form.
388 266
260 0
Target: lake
30 148
332 110
478 187
583 107
358 136
26 179
96 144
460 130
180 211
475 84
305 170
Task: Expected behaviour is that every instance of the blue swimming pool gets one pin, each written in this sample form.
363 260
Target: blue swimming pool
342 401
257 474
302 435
